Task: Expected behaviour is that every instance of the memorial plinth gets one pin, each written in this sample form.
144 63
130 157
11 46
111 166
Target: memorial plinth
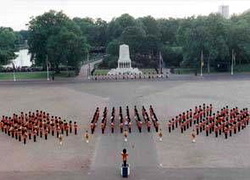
124 63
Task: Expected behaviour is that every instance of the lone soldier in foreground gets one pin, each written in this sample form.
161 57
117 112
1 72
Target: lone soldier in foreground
75 127
124 157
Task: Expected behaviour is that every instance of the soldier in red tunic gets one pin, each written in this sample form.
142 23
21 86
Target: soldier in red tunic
197 129
34 135
169 126
58 129
46 133
70 126
25 135
75 128
66 127
226 132
124 157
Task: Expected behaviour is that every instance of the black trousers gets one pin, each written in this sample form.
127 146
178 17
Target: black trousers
125 163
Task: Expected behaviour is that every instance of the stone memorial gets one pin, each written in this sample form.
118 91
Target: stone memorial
124 63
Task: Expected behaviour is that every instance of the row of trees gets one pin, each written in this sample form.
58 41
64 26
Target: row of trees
181 41
8 40
218 38
56 39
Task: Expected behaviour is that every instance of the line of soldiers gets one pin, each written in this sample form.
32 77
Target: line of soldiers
186 119
125 123
146 118
112 120
138 119
131 77
226 121
154 118
94 120
104 120
121 119
36 124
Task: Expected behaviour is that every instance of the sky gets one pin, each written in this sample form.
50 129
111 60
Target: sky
17 13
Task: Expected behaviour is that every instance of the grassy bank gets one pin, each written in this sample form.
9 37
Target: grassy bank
35 75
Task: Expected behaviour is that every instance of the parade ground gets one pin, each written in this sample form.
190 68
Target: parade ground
175 157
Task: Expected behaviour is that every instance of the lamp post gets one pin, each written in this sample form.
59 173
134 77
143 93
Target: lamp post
47 63
202 62
233 61
88 72
14 71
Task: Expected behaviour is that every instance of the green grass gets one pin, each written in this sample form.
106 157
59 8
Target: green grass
23 75
34 75
101 72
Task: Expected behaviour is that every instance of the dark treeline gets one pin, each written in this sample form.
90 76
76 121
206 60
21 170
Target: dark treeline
181 41
56 39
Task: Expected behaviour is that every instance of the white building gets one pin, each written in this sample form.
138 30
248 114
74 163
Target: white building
224 11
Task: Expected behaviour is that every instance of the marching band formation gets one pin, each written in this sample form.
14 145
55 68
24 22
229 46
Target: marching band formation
201 119
32 125
125 123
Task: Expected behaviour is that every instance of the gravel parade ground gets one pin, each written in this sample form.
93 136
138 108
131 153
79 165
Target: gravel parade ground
176 157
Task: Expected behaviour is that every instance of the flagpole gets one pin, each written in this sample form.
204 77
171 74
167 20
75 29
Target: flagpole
88 73
14 72
201 62
14 75
47 72
201 72
47 62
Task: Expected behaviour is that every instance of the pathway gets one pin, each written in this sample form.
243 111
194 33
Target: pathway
87 68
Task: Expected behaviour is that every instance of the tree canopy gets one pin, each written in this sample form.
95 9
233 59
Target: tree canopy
54 38
181 41
63 41
8 40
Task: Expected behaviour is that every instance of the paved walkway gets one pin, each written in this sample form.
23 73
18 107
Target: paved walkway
107 157
87 68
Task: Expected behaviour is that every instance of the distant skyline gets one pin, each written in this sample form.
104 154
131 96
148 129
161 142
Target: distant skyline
16 13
